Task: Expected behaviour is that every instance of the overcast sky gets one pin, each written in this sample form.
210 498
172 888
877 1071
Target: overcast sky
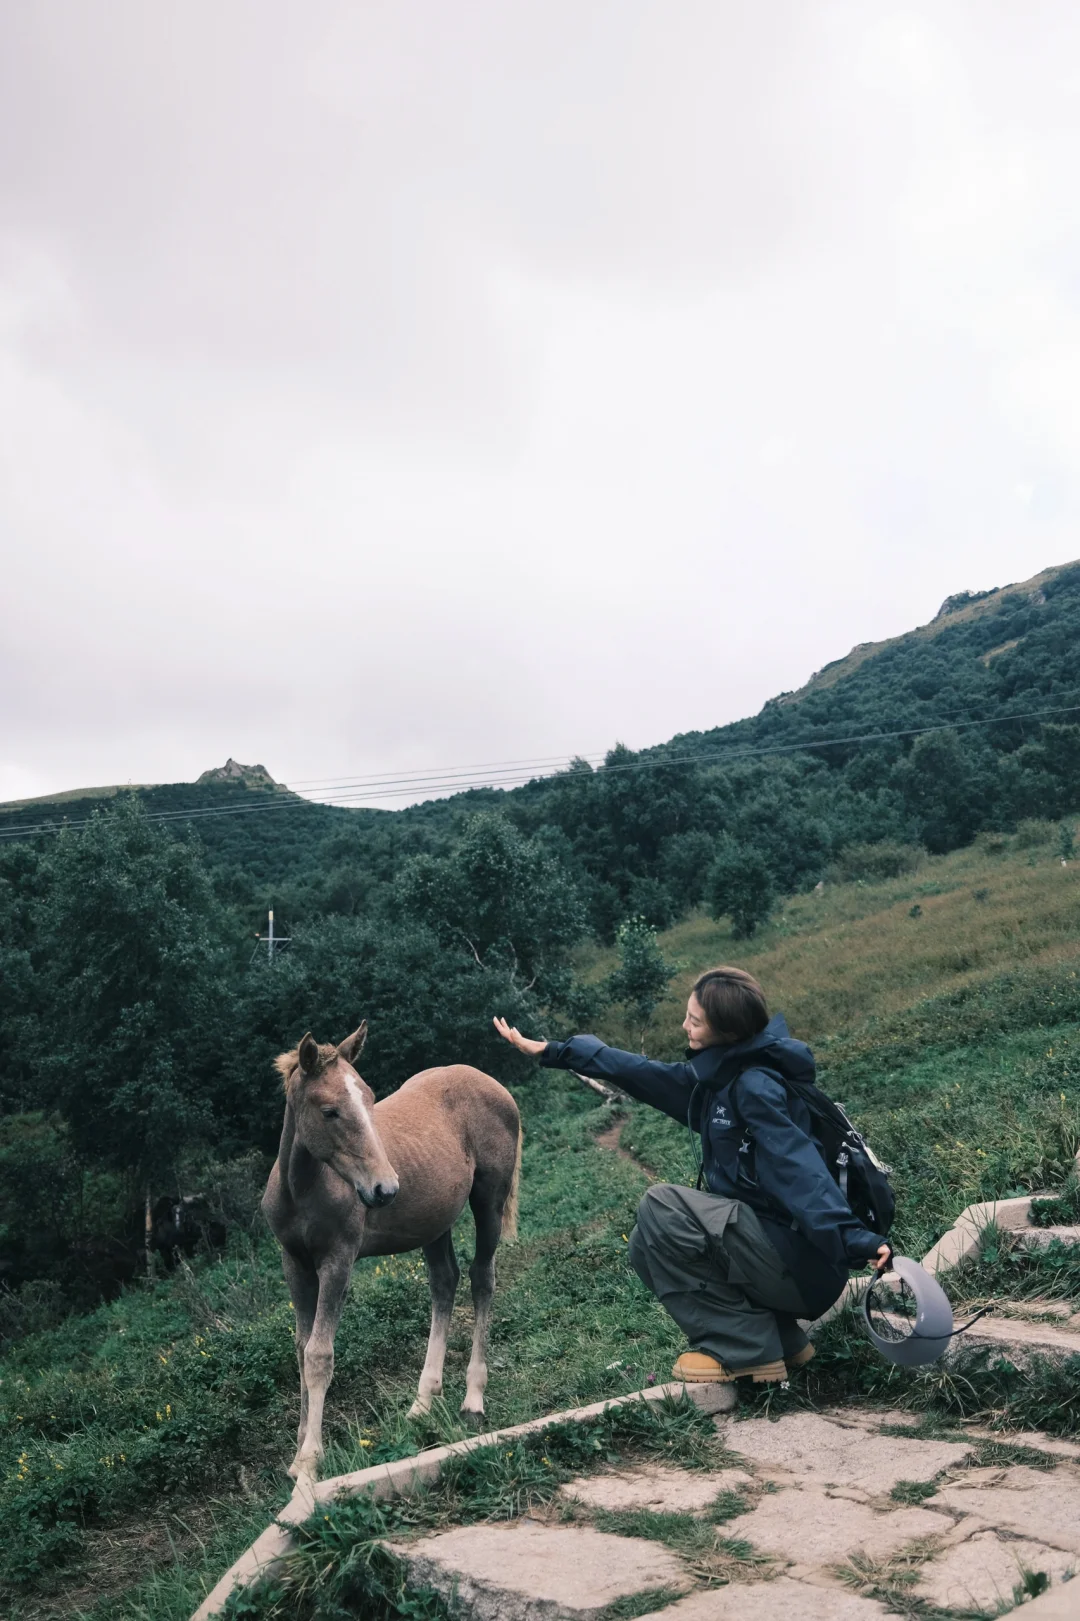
392 385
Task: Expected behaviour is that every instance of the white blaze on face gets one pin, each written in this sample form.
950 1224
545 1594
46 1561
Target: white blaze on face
361 1106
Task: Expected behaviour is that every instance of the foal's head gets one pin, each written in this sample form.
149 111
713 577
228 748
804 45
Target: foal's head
332 1107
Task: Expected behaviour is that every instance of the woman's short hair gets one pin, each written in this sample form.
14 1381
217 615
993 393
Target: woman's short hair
733 1002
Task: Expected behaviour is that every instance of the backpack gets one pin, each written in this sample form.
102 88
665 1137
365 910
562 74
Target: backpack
852 1163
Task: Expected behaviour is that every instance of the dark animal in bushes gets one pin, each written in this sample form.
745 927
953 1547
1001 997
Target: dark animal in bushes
354 1178
182 1226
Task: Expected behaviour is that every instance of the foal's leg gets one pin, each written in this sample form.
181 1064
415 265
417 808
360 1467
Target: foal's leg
443 1275
319 1359
303 1284
482 1277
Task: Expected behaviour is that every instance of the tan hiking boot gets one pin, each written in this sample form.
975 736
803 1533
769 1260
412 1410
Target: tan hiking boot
801 1358
695 1368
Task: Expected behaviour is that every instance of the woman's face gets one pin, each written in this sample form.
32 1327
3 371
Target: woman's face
699 1032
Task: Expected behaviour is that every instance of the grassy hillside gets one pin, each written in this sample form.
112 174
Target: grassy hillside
943 1008
144 1443
872 947
965 608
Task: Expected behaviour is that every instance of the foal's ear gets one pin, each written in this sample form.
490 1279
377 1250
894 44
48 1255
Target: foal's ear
351 1048
308 1054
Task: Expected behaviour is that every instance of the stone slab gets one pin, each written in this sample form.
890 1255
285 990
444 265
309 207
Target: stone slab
1059 1604
661 1491
1032 1502
809 1527
958 1244
899 1418
1038 1439
766 1601
1013 1334
711 1398
532 1572
1008 1215
964 1238
1039 1309
816 1449
1040 1238
872 1418
980 1574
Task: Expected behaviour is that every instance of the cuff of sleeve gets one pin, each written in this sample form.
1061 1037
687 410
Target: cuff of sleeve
865 1246
574 1053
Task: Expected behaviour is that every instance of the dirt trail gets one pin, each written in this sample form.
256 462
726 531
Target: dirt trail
611 1139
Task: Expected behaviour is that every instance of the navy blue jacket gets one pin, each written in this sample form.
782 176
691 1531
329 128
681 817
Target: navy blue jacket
728 1095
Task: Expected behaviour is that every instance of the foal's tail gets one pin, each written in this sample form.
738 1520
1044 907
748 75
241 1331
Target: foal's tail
510 1208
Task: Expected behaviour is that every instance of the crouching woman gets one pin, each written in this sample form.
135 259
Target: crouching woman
773 1238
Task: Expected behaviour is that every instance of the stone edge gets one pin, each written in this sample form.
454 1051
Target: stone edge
963 1239
402 1476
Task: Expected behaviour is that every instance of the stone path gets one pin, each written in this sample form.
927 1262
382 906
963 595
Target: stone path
823 1528
840 1516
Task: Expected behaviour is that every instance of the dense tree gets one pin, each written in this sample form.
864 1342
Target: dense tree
740 886
426 1003
499 895
22 880
134 1003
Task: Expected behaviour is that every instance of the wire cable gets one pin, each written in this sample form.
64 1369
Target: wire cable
392 787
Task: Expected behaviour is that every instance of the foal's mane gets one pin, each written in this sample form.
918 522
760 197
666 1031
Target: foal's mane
288 1064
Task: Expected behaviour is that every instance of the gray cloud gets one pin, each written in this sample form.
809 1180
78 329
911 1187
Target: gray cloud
390 385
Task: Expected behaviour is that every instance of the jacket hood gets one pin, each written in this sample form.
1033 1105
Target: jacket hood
771 1048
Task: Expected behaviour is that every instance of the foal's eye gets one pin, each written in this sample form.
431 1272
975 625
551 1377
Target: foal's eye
331 1114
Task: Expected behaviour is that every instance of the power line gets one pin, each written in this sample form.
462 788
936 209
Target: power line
392 787
353 780
434 774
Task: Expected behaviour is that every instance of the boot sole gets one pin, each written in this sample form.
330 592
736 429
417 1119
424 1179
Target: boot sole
765 1374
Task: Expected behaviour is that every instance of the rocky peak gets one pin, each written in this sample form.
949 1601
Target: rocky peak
252 776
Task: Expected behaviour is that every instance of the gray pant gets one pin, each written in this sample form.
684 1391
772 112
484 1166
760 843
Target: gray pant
710 1264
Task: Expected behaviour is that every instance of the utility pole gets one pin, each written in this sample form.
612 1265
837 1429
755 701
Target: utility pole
270 939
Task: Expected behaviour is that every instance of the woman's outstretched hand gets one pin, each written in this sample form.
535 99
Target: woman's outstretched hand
514 1036
882 1261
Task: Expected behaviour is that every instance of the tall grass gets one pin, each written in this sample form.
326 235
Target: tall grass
832 960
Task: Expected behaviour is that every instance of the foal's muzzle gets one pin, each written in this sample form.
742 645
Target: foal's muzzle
379 1195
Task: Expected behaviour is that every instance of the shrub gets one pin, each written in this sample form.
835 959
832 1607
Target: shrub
992 844
643 973
1032 833
872 861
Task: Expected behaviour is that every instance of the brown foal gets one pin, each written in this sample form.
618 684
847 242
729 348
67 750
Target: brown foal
354 1177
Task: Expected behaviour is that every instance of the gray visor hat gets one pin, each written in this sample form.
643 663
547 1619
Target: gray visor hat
912 1323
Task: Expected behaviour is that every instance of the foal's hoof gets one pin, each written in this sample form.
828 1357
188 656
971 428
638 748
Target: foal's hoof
472 1420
